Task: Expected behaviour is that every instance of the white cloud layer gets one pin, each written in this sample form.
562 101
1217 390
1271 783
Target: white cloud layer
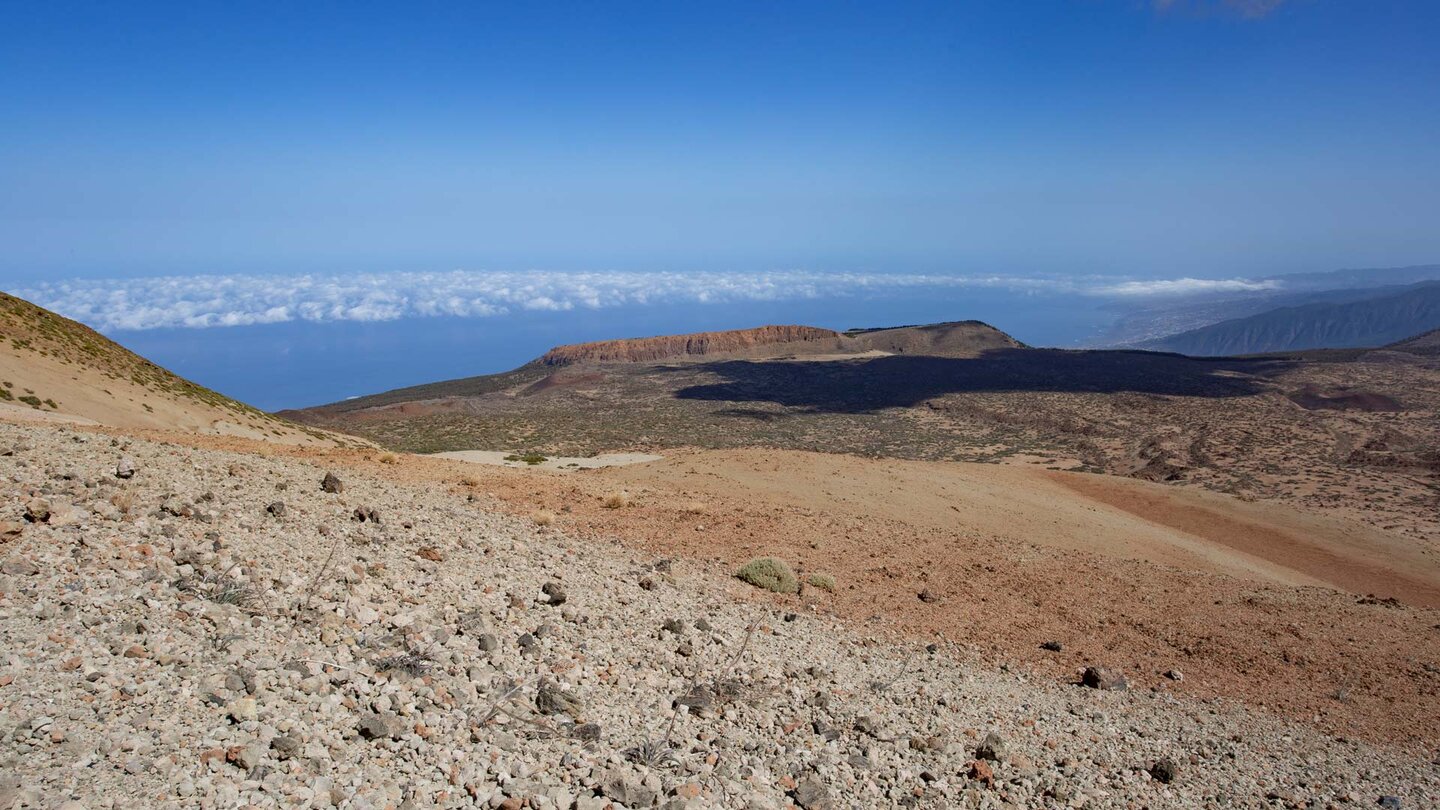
243 300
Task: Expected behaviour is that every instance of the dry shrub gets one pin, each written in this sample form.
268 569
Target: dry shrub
770 574
696 508
616 500
388 458
470 481
544 518
824 582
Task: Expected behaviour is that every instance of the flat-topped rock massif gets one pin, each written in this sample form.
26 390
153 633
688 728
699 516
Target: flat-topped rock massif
957 339
770 340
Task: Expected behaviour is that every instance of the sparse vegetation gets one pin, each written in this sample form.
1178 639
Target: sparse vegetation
219 588
388 458
824 582
31 400
544 518
531 458
770 574
616 500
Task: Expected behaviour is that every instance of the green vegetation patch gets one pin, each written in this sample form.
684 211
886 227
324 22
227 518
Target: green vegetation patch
528 457
824 582
770 574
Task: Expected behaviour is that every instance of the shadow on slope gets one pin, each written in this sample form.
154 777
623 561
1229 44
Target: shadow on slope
855 386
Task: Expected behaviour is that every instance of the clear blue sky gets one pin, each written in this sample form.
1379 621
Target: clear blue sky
1090 136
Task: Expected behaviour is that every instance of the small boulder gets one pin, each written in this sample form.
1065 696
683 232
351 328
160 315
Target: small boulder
551 699
554 594
276 509
381 725
812 794
1105 679
125 468
18 566
1052 646
284 746
331 483
10 531
992 748
981 771
37 510
1164 770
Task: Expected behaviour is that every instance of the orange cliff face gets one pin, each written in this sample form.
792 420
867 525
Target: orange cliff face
771 340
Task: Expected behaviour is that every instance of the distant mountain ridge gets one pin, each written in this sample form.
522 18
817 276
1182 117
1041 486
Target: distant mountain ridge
1144 325
1388 317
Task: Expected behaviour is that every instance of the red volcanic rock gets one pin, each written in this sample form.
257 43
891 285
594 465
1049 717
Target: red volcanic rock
738 341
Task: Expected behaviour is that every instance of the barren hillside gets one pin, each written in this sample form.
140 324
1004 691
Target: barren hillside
228 629
52 368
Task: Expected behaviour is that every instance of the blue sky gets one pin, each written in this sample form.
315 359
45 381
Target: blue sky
1066 137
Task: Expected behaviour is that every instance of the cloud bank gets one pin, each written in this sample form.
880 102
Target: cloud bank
245 300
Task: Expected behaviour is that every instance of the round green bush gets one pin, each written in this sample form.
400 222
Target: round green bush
770 574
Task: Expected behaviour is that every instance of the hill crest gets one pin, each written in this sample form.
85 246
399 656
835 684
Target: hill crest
56 369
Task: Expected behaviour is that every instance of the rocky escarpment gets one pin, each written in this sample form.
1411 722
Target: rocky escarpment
957 339
769 340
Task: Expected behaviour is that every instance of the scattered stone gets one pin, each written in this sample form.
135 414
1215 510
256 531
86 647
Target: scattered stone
364 513
430 553
981 771
1175 675
10 531
331 483
381 725
487 642
554 594
276 509
1052 646
1389 802
284 746
928 596
1163 770
551 699
18 566
1104 678
992 748
125 468
628 792
812 794
37 510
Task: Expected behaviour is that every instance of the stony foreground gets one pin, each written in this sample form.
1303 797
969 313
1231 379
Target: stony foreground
194 628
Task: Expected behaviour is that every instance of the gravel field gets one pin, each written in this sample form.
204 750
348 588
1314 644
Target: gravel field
192 628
